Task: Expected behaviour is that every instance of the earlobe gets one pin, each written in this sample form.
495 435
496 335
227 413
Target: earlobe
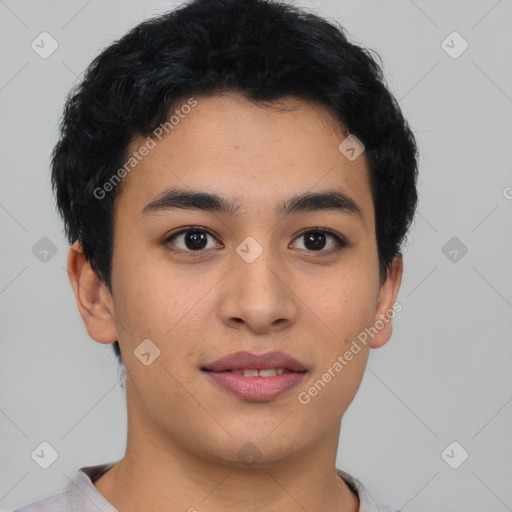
387 299
91 296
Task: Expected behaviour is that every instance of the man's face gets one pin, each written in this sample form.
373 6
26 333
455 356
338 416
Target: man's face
255 281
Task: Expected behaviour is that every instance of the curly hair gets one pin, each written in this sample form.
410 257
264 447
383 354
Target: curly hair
266 50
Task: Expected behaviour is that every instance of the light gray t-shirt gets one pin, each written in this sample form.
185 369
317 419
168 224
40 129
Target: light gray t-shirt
80 494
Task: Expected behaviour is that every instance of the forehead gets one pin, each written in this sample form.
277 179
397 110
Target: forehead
256 154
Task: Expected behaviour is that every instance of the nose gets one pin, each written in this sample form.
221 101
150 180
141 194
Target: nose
258 296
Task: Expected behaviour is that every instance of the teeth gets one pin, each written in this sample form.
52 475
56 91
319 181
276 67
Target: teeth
253 372
271 372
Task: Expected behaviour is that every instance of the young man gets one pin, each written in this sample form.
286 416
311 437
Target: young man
236 182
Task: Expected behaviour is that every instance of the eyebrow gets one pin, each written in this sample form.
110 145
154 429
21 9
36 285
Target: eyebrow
182 199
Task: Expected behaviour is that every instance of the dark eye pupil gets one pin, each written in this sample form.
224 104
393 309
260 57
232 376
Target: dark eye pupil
195 239
315 240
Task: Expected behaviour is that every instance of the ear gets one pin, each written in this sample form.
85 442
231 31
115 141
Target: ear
92 297
387 298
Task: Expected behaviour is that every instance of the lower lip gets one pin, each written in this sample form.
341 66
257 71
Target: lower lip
256 389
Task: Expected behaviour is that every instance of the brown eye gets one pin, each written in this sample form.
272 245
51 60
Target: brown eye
195 240
315 240
190 240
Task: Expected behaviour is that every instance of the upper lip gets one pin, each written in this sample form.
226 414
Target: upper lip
249 360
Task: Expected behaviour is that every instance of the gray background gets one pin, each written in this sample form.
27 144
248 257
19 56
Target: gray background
445 375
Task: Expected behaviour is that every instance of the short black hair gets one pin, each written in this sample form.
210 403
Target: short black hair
265 49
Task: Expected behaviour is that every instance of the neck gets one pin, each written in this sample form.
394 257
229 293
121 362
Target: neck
159 473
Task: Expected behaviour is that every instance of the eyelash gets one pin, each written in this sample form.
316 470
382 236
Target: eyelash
340 242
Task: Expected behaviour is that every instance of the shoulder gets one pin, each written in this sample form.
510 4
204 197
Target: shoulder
80 495
58 503
366 502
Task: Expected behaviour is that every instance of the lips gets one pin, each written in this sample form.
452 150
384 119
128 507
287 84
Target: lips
251 361
256 377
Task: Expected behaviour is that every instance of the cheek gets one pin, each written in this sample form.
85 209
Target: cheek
333 384
342 303
164 306
147 302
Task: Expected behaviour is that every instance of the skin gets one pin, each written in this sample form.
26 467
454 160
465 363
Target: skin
184 432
